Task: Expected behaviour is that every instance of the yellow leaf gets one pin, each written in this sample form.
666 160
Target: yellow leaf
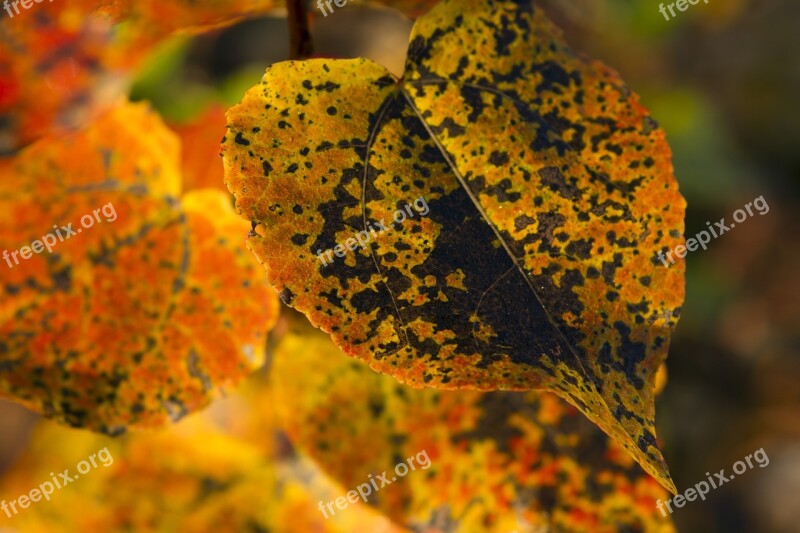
215 471
490 221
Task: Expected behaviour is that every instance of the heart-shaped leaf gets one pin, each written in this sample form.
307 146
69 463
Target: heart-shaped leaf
510 196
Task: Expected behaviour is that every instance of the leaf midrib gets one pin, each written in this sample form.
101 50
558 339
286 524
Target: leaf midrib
511 255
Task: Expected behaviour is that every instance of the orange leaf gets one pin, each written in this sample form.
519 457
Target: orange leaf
202 166
141 308
63 62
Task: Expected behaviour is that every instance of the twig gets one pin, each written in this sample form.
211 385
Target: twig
300 44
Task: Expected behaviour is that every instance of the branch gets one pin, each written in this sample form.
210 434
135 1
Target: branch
300 44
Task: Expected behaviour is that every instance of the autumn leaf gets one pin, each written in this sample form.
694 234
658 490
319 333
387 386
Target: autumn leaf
302 486
193 480
144 305
193 476
200 162
537 191
62 63
160 17
492 461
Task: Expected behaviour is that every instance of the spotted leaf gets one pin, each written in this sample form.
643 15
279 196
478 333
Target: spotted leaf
124 303
510 196
481 461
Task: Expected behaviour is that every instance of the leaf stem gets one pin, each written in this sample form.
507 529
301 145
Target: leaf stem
300 43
